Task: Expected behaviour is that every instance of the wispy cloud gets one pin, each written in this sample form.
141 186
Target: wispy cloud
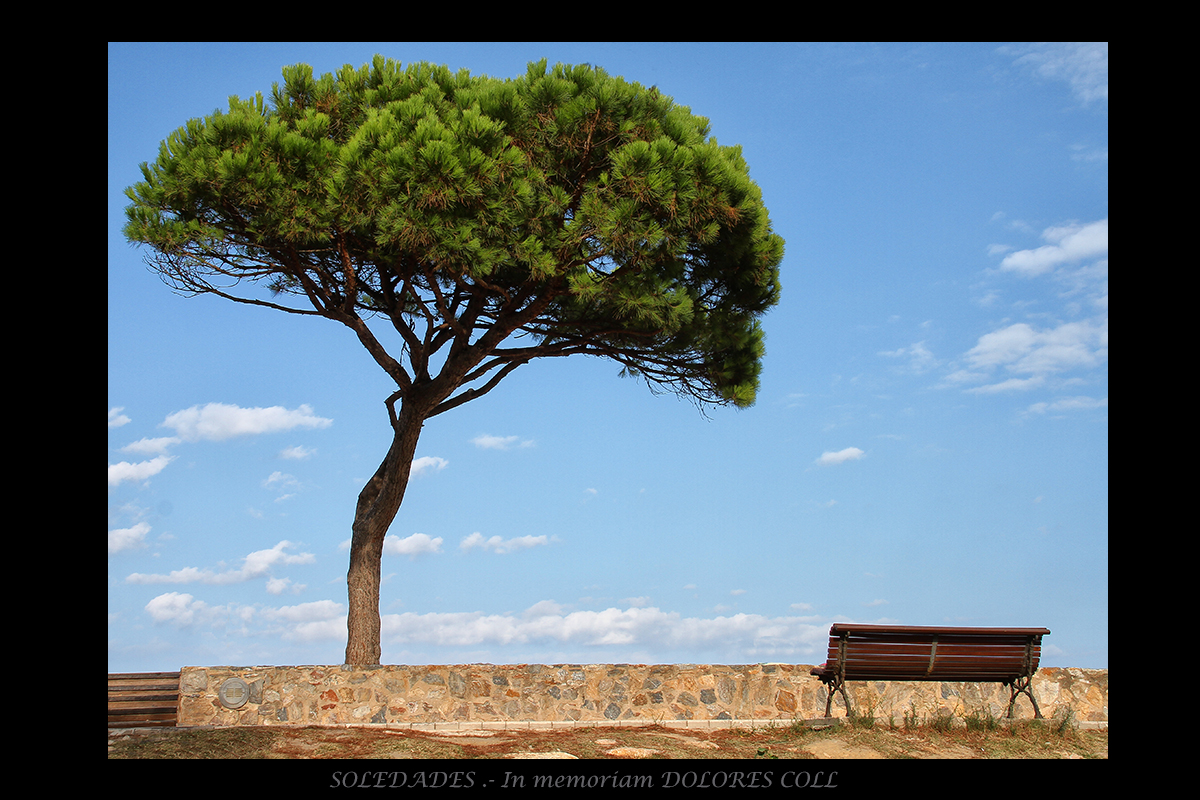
427 464
258 564
140 471
585 636
1022 348
1067 244
1010 385
149 447
279 479
1069 404
919 357
315 621
488 442
498 545
1035 354
180 609
1082 65
116 419
412 546
220 421
127 538
284 483
281 585
841 456
641 629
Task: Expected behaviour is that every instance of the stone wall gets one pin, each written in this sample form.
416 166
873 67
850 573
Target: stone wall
491 695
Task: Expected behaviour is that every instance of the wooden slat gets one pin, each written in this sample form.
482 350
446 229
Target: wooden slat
140 676
922 630
143 699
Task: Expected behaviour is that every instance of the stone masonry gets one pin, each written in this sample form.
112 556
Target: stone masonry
602 693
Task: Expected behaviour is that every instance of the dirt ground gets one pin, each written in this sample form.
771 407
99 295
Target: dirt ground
1030 740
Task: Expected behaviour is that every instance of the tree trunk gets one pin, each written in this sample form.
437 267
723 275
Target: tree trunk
378 503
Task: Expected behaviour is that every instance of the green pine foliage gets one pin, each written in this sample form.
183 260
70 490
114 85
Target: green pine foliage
587 213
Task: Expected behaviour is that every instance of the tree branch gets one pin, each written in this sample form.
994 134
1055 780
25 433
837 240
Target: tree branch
471 394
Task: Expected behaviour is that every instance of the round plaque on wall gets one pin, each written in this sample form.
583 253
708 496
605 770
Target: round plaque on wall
234 693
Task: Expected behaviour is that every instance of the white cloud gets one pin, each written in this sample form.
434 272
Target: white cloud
282 482
543 608
489 442
412 546
1010 385
315 621
219 421
178 609
841 456
256 565
1003 346
645 629
498 545
127 538
313 612
296 453
318 631
147 447
116 419
641 634
278 478
307 612
260 562
1022 348
964 376
280 585
1068 244
125 471
425 464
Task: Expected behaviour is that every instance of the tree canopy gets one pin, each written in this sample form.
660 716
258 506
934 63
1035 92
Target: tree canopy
589 213
488 222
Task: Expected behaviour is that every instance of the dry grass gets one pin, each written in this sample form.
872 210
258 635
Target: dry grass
1024 740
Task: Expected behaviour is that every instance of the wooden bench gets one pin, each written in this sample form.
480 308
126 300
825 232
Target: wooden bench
908 653
143 699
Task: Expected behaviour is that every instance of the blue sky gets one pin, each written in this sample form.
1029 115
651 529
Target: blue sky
929 445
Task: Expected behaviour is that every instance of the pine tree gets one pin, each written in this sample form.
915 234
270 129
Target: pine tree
490 221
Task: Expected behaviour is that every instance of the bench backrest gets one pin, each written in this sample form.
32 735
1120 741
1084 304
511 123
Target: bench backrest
902 652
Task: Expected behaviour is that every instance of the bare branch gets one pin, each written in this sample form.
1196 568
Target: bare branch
471 394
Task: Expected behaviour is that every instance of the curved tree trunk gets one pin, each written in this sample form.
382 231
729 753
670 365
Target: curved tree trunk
378 503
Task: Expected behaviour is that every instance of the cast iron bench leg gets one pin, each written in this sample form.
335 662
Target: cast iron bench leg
1023 686
832 688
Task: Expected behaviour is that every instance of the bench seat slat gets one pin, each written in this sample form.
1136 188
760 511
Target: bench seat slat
923 647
